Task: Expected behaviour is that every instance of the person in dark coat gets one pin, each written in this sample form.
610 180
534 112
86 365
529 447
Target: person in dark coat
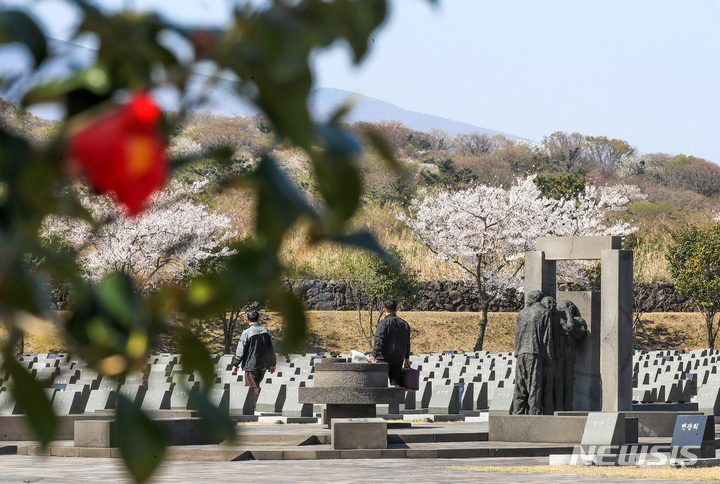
532 349
554 370
392 343
255 353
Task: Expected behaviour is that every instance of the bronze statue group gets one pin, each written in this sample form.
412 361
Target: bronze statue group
545 339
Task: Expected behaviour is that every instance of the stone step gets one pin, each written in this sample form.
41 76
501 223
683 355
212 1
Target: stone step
394 451
445 437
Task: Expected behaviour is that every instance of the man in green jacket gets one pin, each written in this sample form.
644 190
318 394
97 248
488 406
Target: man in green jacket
255 353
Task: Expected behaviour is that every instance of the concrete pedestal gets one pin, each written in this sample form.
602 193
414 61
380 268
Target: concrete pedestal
359 433
350 390
343 411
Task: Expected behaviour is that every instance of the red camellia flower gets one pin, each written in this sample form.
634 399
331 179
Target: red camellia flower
122 153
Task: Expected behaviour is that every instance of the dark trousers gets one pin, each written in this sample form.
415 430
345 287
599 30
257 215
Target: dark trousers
395 371
253 379
528 394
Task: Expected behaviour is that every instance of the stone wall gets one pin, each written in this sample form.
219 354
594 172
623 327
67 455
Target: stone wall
342 295
661 297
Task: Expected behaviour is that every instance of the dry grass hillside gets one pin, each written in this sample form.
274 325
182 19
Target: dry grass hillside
431 332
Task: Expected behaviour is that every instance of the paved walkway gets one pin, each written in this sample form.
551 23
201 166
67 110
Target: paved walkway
17 468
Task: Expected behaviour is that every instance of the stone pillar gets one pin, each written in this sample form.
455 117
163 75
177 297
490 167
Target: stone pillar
539 273
616 329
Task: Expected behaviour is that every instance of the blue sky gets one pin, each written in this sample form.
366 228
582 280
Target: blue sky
646 71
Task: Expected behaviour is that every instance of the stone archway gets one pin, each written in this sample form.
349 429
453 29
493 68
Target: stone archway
603 368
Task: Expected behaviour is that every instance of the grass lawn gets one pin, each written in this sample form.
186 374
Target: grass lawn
631 472
431 332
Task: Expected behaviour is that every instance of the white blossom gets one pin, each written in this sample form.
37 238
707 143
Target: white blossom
163 244
631 165
295 162
183 147
487 230
534 147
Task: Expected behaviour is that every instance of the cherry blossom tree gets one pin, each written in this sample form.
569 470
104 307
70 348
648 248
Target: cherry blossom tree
182 147
486 230
163 245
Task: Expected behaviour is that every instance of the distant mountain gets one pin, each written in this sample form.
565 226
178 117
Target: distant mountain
220 98
324 100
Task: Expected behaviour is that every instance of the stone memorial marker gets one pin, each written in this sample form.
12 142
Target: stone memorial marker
241 399
480 395
501 401
46 373
708 399
410 402
179 377
68 403
88 374
7 403
101 400
604 433
444 400
695 434
158 377
292 407
50 392
467 399
133 391
180 398
156 400
107 383
271 399
387 409
220 397
224 362
64 379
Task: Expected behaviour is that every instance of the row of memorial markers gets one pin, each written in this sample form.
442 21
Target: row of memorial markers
451 383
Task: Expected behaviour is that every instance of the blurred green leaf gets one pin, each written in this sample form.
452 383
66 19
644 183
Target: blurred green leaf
354 21
295 325
196 357
270 48
142 442
16 26
340 113
362 240
32 399
279 205
249 275
95 80
23 286
130 49
27 194
338 178
218 422
120 299
111 319
111 324
383 148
